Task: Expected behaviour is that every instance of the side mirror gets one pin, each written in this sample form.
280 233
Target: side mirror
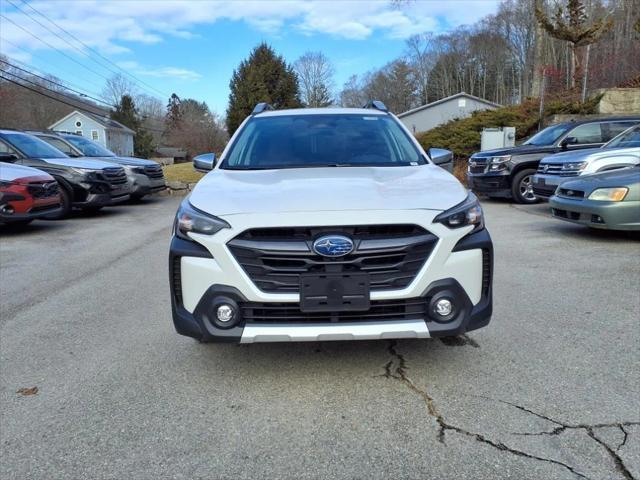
205 162
8 157
441 157
568 141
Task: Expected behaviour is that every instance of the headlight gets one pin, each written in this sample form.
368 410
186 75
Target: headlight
609 194
500 159
466 213
574 166
499 163
84 171
189 219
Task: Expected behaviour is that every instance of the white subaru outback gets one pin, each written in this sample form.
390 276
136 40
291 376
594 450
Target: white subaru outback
328 224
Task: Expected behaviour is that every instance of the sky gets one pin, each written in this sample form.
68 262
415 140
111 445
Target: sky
192 47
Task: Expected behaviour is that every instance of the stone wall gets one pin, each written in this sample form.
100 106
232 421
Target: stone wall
619 101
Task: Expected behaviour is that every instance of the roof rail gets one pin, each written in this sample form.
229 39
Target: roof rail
261 107
377 104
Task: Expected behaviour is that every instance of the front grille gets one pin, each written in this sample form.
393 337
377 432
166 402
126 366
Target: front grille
570 193
477 164
557 212
116 177
274 258
556 169
543 192
43 189
398 310
176 279
153 171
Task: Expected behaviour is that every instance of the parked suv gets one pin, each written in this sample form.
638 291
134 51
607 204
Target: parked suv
26 194
84 183
145 176
328 224
621 152
508 172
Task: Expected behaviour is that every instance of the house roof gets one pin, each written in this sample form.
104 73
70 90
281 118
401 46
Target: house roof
103 120
446 99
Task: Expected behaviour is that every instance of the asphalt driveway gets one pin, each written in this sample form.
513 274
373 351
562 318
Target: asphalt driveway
549 390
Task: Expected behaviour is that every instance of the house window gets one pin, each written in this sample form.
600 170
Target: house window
79 132
94 135
78 123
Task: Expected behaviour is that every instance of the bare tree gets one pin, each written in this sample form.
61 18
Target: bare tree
422 58
117 86
315 74
352 94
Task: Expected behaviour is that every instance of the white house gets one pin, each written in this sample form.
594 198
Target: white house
99 128
444 110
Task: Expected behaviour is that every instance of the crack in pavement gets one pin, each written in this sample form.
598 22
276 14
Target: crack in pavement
624 439
399 373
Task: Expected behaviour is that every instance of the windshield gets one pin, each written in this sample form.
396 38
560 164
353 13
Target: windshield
628 138
549 135
299 141
89 148
32 146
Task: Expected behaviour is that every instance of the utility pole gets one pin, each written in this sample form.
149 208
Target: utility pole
585 74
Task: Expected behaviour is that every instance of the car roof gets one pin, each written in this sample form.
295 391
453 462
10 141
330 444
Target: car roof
598 120
320 111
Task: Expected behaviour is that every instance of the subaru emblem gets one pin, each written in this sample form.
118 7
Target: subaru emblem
333 246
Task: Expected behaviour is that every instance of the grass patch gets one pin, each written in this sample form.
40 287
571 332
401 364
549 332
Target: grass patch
182 172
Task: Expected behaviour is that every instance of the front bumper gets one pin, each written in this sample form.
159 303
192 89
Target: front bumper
33 214
143 185
544 186
492 184
459 268
606 215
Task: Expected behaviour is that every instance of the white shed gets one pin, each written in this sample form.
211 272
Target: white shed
444 110
99 128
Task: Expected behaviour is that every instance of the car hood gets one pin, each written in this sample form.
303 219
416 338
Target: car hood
228 192
132 161
519 150
10 172
624 177
576 155
80 162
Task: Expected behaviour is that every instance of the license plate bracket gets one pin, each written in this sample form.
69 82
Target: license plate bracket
334 292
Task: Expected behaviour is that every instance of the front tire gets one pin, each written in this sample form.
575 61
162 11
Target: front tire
522 187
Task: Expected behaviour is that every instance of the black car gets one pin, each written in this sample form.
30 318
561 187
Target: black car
508 172
145 176
84 183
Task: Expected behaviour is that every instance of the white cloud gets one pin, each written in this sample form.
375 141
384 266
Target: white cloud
107 24
159 72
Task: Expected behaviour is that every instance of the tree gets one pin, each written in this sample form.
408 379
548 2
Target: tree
315 75
127 114
421 58
116 87
352 94
571 25
173 115
263 77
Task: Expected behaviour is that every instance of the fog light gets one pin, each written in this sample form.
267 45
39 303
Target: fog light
8 210
225 313
443 307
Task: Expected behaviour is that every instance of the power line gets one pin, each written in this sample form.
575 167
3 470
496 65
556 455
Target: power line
40 92
82 94
51 46
46 63
83 44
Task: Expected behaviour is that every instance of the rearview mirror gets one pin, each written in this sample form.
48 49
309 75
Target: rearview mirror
7 157
204 162
441 157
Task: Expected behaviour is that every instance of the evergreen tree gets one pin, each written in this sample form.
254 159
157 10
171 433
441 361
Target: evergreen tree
263 77
126 114
173 116
572 25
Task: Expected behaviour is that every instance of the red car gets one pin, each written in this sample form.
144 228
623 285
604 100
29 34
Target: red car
26 194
